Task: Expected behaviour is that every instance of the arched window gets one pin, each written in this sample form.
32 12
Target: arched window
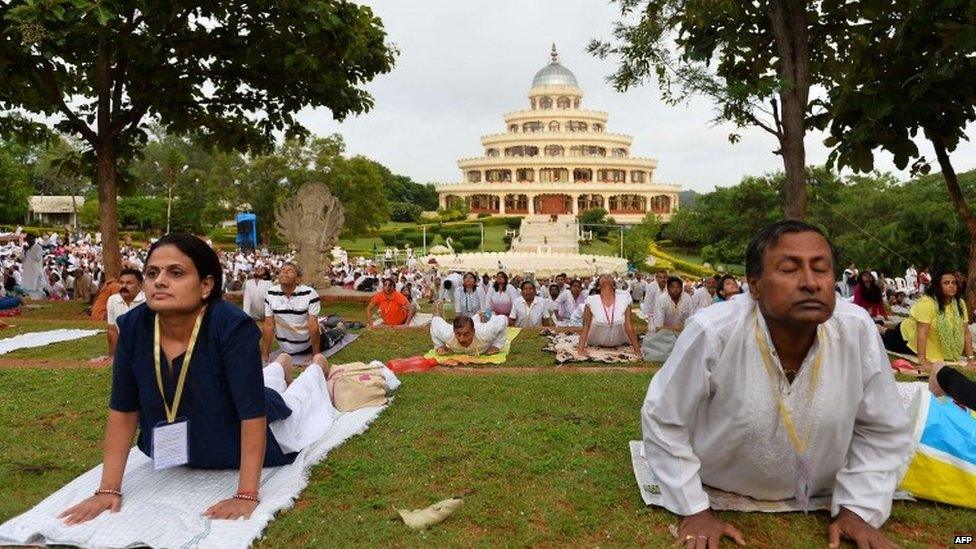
576 126
554 126
637 176
589 201
532 101
525 175
513 128
582 175
498 176
534 126
619 152
576 103
516 203
597 127
522 150
545 102
483 203
661 204
474 176
628 203
553 175
563 102
554 150
491 153
587 150
612 176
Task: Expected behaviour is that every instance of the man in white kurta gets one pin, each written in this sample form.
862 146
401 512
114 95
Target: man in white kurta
669 313
712 417
467 335
33 268
653 289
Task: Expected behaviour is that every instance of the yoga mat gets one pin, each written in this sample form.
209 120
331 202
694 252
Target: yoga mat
306 359
163 508
497 358
40 339
564 344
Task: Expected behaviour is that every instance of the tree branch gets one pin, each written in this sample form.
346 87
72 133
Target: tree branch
46 81
952 183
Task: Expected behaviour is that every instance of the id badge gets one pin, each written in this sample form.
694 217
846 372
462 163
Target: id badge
170 444
803 481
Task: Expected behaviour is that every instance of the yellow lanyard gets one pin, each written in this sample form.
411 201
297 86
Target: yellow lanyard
799 446
171 412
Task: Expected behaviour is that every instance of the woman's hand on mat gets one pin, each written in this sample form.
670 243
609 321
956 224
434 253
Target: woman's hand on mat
443 350
849 526
581 351
705 530
231 509
91 508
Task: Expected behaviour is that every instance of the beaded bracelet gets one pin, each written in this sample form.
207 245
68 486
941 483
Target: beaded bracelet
106 491
247 496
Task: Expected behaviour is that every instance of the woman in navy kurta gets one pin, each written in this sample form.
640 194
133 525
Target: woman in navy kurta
223 400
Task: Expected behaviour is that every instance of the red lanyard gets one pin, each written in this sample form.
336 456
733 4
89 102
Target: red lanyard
611 312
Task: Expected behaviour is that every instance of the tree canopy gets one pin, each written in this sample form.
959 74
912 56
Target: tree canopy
233 72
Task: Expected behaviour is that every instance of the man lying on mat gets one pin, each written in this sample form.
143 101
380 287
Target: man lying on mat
187 372
395 309
782 393
467 335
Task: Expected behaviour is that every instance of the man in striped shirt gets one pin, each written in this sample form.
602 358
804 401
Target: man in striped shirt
291 314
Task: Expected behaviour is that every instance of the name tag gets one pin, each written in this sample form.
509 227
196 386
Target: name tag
170 445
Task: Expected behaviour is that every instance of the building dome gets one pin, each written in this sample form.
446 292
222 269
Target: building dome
554 74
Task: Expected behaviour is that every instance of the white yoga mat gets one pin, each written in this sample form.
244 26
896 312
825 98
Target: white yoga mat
40 339
163 508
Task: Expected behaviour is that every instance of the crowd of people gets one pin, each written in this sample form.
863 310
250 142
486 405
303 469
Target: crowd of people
817 348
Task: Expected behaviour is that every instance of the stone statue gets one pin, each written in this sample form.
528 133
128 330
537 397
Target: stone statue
310 222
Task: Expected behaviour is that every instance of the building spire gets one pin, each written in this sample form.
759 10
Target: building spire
554 55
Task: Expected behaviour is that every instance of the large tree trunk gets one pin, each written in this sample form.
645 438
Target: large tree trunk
962 209
108 210
790 33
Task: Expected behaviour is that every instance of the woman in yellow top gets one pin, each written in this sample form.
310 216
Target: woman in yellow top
937 326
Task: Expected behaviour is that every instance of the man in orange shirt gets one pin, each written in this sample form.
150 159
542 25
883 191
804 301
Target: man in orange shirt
394 308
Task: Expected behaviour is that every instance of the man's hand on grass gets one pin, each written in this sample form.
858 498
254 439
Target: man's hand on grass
704 530
848 525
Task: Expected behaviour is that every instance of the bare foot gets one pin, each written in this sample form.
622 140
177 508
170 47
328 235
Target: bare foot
286 366
322 363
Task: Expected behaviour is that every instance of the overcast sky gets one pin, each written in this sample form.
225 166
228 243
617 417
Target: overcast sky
463 64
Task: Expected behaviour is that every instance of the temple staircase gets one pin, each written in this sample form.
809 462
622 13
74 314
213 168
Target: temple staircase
544 234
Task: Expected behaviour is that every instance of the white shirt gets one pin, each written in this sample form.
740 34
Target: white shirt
501 302
711 415
701 299
486 334
255 291
651 291
469 303
607 324
567 303
116 307
667 313
525 315
291 316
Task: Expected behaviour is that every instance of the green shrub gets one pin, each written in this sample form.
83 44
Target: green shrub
513 222
388 238
405 212
415 239
471 242
483 215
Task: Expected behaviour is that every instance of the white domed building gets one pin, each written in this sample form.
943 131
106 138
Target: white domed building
556 158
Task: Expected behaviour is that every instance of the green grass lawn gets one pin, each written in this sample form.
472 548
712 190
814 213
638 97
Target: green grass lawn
540 457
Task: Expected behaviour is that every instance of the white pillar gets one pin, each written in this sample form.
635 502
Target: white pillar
575 203
501 204
442 199
531 204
